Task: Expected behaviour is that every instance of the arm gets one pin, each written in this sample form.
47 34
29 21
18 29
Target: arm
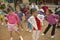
17 19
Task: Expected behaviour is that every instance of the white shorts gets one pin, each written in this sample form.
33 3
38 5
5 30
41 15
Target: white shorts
12 27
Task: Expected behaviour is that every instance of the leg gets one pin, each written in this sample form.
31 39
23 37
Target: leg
29 25
16 30
37 35
47 29
34 35
10 30
10 33
53 30
58 25
21 25
20 37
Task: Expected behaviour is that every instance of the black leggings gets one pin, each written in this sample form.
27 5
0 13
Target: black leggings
53 29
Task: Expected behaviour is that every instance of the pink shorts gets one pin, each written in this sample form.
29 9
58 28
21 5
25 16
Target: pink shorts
12 27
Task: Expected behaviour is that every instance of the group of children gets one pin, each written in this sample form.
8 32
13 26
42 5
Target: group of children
34 18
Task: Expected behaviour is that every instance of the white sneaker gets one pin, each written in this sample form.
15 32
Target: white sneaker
30 30
52 37
22 29
21 38
2 24
27 30
11 38
43 34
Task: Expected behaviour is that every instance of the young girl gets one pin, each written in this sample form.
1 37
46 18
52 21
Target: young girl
36 23
51 19
13 20
20 15
28 23
1 16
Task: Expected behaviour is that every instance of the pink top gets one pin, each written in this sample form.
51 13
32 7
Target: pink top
12 18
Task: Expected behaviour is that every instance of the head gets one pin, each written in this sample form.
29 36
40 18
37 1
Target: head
0 10
17 8
33 3
34 12
9 10
48 11
39 6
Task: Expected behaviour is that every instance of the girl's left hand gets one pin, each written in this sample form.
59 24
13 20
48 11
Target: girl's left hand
56 20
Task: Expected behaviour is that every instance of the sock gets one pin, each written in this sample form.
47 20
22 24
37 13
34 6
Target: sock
11 38
21 37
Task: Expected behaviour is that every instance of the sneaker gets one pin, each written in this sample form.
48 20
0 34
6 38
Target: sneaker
52 37
21 38
2 24
43 34
27 30
30 30
11 38
22 29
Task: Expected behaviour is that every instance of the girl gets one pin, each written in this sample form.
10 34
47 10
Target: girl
57 11
13 19
51 19
1 15
20 15
36 23
45 7
28 23
40 10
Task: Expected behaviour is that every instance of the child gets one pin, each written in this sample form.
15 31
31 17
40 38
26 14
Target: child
51 19
1 15
40 10
57 11
28 23
45 8
36 23
20 15
13 19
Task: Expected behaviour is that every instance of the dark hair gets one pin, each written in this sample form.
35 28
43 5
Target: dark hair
8 9
33 10
50 11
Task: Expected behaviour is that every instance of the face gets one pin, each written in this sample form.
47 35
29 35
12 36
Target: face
40 7
35 14
47 12
10 12
17 9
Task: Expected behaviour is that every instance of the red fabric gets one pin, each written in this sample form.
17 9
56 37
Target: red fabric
25 10
45 8
38 24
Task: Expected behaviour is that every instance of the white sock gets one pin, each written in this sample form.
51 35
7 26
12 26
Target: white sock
2 23
11 38
21 37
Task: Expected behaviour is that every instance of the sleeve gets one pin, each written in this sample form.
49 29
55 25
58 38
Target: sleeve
56 16
31 21
17 18
41 17
45 18
6 18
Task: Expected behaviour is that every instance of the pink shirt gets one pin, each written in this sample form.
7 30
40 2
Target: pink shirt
12 18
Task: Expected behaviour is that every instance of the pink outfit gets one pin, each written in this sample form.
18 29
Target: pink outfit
12 20
12 27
